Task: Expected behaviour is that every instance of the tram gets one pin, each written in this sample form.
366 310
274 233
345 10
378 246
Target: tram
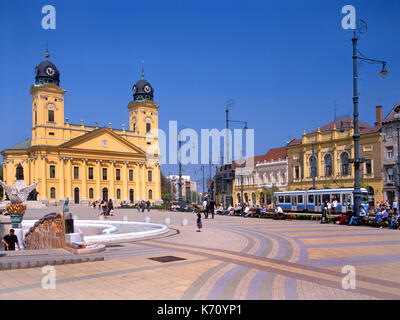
312 200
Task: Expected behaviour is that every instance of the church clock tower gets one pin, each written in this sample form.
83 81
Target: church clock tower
47 103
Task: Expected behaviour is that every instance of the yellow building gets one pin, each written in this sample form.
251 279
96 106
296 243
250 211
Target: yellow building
333 148
86 163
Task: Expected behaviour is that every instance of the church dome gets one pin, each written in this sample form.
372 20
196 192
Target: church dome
47 72
143 90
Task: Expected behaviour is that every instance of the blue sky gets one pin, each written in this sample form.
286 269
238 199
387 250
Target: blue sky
283 62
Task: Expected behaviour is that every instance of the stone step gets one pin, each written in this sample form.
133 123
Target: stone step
34 263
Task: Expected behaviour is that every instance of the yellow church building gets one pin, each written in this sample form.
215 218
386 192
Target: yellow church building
87 163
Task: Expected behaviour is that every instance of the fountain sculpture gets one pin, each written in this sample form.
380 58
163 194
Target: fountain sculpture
17 195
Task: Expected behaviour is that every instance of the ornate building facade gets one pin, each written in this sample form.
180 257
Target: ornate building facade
269 174
390 153
333 148
86 163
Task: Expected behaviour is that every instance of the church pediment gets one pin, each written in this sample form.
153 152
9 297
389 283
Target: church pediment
103 139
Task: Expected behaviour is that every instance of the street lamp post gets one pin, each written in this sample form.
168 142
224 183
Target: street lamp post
357 195
229 177
180 199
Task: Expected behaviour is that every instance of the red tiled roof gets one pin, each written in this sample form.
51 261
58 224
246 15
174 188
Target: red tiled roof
294 142
346 124
272 154
343 123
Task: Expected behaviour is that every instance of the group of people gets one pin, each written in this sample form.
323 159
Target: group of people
142 205
106 207
209 207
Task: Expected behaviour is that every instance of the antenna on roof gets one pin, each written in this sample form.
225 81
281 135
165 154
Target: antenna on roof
142 69
335 109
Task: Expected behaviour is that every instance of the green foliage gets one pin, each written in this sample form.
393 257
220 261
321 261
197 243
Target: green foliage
167 197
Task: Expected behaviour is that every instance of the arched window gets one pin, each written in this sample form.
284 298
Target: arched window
328 165
150 194
312 166
344 164
91 193
52 193
118 194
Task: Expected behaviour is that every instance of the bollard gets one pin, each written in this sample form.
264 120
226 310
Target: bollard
167 220
101 217
147 219
184 222
125 218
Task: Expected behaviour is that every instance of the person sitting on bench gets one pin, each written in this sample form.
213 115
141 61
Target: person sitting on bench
346 216
357 218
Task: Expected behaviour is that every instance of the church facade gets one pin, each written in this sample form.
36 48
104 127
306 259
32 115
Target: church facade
86 163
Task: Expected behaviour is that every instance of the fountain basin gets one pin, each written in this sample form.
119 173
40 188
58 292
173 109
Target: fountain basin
111 231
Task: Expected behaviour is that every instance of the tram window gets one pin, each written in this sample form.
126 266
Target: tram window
344 199
364 197
326 197
336 196
299 199
280 199
287 199
310 198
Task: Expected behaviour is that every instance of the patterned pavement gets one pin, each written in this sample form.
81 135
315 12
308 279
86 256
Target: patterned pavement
232 258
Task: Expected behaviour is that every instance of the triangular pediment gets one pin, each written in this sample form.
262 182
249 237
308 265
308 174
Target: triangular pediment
103 139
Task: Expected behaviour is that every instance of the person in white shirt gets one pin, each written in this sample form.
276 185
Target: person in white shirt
205 206
334 205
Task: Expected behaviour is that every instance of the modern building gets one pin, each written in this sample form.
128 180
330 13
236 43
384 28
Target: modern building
268 175
85 163
333 148
390 153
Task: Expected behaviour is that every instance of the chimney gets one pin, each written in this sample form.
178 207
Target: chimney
379 117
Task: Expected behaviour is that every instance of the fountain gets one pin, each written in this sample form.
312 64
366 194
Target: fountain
18 195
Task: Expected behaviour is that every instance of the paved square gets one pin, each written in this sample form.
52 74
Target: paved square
232 258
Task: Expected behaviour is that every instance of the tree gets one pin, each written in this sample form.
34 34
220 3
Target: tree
167 197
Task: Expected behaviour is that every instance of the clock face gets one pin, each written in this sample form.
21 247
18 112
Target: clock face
147 88
50 71
104 143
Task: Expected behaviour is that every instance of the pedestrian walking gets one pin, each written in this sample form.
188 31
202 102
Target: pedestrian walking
110 208
103 207
205 207
148 204
199 224
212 207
